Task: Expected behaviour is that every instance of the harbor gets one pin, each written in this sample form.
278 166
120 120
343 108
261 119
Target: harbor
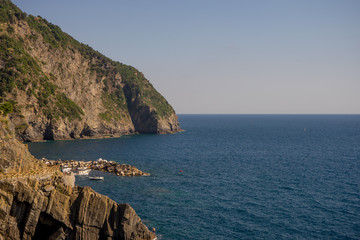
83 168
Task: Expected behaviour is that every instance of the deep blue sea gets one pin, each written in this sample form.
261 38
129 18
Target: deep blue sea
243 176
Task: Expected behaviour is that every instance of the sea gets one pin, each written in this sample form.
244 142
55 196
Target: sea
235 176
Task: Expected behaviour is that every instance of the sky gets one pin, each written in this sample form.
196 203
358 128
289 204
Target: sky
227 56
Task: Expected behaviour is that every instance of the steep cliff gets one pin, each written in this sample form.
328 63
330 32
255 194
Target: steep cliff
63 89
30 210
15 157
39 202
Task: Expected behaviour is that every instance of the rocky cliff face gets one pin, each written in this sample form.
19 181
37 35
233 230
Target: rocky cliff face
51 210
39 202
62 89
15 157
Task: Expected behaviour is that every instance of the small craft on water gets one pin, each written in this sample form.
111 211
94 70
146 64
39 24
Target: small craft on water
82 168
96 178
83 172
66 170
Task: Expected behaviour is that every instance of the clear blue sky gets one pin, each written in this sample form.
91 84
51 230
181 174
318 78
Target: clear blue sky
227 56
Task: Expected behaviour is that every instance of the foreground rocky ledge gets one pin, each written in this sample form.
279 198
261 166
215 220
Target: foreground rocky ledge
99 165
40 202
52 208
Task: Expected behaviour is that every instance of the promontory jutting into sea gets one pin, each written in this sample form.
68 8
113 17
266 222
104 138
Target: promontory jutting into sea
130 171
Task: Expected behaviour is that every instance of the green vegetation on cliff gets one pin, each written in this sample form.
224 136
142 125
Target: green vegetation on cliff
18 66
56 38
51 33
143 90
67 108
6 108
115 104
9 12
22 71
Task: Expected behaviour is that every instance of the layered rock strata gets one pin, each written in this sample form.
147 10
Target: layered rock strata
49 209
39 202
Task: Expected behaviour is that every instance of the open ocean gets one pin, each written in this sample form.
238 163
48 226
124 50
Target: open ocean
243 176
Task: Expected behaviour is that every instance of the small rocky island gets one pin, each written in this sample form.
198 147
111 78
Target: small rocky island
99 165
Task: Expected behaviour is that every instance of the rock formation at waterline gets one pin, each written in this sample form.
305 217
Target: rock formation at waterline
49 209
37 201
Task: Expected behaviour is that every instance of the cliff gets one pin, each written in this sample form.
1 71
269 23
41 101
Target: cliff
63 89
29 210
39 202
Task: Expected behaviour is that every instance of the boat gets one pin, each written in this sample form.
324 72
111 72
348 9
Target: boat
66 170
83 172
82 168
96 178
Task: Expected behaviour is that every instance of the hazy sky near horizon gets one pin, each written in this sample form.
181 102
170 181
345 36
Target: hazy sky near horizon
231 56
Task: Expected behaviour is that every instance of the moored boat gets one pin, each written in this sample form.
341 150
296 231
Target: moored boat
83 172
96 178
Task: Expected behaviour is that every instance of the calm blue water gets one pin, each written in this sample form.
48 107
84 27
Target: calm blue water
244 176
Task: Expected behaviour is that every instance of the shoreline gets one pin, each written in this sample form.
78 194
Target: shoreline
105 136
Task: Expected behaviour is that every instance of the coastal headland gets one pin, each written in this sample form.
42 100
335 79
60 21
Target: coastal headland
62 89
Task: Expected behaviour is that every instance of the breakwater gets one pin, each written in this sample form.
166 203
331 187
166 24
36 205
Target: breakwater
99 165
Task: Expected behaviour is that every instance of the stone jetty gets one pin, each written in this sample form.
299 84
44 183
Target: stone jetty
99 165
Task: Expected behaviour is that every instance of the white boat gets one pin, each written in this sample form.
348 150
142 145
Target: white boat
83 172
102 160
96 178
66 170
82 168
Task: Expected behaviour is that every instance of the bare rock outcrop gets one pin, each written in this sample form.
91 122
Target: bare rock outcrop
64 213
168 125
39 202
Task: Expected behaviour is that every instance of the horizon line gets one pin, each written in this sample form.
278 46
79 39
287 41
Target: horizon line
267 113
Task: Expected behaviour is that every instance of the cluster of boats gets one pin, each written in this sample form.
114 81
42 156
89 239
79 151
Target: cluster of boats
80 171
